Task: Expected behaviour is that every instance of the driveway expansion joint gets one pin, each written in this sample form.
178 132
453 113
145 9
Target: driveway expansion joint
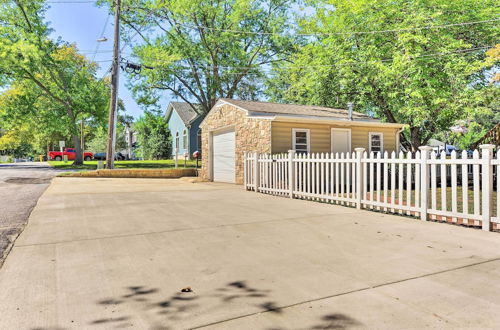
173 231
281 308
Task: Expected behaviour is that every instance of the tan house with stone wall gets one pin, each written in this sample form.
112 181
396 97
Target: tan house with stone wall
234 127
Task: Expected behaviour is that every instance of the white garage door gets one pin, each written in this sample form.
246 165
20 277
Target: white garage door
224 149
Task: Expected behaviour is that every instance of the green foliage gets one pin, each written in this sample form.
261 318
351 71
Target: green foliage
153 135
99 140
197 62
54 87
485 103
425 78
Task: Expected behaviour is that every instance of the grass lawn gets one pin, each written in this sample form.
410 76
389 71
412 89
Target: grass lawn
125 164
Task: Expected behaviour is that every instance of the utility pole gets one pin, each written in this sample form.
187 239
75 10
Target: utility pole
115 70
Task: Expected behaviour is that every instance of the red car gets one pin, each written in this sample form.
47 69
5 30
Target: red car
70 152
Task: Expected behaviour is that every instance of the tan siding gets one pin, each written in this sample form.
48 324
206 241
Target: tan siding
281 136
360 137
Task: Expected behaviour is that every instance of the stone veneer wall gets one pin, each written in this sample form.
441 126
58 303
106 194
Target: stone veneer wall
251 135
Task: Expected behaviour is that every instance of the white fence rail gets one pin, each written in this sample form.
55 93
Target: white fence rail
457 189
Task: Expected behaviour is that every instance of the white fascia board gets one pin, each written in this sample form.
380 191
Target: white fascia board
219 104
170 108
342 122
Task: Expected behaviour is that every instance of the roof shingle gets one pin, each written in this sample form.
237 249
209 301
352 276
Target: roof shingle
297 109
185 111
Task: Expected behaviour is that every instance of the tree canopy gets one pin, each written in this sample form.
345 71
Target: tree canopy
49 83
153 136
194 53
411 62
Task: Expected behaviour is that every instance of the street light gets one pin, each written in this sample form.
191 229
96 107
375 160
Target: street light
103 39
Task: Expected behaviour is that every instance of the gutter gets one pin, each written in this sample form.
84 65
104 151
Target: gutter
321 120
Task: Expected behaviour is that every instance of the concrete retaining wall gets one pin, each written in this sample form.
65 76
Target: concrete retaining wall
138 173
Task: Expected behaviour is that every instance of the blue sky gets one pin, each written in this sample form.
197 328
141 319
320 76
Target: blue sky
83 23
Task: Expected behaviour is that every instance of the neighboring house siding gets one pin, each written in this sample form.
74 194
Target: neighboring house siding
320 136
193 136
176 125
251 135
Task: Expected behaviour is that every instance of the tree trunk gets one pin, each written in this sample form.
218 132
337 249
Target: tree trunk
415 138
78 150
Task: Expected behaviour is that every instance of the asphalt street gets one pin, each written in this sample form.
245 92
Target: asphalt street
21 184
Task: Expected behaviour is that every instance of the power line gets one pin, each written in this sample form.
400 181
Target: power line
100 36
144 21
130 40
431 55
428 27
69 1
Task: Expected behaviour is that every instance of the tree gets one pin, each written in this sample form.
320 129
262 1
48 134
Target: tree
492 58
51 73
193 54
22 122
411 72
99 141
153 136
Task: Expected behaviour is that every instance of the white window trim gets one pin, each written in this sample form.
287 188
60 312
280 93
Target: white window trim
185 141
308 137
340 129
381 141
177 143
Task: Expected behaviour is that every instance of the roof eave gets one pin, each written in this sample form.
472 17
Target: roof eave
337 121
220 102
171 108
168 113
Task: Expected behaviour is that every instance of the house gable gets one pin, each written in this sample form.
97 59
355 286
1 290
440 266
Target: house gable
181 117
177 128
219 109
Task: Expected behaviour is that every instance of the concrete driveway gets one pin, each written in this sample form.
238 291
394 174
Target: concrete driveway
115 253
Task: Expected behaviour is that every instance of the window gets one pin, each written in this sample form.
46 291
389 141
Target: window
300 139
376 142
185 140
199 140
177 140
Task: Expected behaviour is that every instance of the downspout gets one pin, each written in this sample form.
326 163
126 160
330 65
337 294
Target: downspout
188 126
398 146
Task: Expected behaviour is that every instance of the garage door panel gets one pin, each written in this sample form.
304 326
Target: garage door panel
224 154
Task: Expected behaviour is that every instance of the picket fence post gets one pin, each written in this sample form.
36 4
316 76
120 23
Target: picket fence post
424 181
487 183
256 174
359 176
291 174
245 170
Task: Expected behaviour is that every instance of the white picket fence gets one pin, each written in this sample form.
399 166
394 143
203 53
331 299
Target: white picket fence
456 189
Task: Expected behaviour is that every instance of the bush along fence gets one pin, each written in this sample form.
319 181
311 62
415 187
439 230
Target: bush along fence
457 189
